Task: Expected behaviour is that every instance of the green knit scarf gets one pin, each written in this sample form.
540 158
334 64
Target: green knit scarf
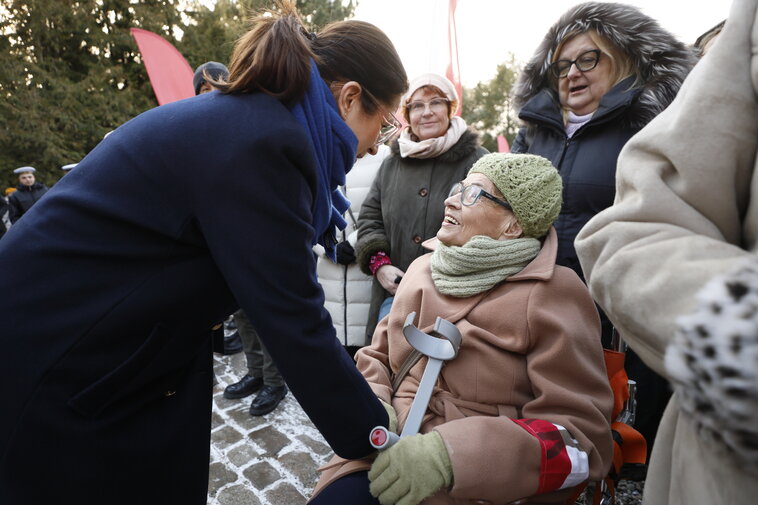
479 264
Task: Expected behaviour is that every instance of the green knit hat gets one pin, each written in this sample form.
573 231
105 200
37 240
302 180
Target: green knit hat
530 183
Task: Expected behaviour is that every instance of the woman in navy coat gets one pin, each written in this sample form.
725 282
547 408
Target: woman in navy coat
113 281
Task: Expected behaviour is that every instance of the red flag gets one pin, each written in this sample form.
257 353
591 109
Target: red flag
453 68
502 145
169 73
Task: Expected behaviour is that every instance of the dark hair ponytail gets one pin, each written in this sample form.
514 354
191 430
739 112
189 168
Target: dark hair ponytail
274 57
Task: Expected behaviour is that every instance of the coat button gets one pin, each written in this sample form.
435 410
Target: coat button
169 393
423 192
417 239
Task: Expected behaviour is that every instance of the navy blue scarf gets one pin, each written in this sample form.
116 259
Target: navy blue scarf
334 145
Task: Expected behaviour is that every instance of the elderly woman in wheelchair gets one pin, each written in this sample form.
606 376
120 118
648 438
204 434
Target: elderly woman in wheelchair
522 413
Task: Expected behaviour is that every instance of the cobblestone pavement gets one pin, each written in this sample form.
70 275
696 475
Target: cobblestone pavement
268 460
272 460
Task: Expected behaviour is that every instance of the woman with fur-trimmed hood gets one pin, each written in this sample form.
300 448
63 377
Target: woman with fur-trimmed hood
602 72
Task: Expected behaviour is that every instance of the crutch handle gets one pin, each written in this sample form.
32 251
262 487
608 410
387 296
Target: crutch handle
381 438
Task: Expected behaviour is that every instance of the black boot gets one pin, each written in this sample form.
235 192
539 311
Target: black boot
267 400
232 344
246 386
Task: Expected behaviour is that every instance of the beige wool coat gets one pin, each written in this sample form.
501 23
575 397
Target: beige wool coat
686 210
530 349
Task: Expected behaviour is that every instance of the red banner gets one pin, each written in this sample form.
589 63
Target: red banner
502 145
170 74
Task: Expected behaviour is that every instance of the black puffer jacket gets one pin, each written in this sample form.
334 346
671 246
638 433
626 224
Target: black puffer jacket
587 161
23 198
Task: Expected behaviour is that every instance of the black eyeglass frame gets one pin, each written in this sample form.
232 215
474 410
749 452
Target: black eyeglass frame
482 192
558 73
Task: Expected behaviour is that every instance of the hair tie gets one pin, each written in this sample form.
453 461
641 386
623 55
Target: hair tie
311 36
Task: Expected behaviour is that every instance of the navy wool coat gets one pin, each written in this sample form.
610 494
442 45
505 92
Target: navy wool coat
113 280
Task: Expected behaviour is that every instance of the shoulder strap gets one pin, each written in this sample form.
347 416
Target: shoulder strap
410 360
415 355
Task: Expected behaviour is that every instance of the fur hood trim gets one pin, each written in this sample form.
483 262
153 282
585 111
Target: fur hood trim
711 362
661 62
467 144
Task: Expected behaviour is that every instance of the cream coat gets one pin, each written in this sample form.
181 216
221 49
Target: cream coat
347 290
531 349
685 211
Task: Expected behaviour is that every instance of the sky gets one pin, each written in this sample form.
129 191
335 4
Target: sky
489 30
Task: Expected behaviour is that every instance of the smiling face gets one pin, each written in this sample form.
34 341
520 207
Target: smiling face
485 217
581 92
428 122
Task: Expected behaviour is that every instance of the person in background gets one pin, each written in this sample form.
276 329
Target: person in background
522 412
346 288
672 263
146 245
28 192
206 73
262 374
602 72
404 206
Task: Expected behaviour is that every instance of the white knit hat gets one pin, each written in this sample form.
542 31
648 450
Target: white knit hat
23 170
438 81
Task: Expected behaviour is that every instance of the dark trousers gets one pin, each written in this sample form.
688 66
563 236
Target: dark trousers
351 489
259 362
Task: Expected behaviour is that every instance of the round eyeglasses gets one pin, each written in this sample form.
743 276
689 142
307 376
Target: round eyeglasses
435 105
470 195
584 63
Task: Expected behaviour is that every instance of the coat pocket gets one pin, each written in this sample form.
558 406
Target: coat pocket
124 379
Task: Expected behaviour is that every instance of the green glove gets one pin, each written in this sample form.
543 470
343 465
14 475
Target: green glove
392 415
410 471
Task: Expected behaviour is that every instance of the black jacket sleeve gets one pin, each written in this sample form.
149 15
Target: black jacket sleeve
259 232
14 208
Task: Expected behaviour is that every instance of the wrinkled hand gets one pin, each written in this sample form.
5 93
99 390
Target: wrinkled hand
386 276
410 471
345 253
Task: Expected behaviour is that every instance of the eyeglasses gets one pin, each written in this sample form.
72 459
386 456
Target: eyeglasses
435 105
470 195
584 63
390 123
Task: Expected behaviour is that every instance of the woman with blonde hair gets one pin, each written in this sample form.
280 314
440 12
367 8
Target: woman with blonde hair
601 73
